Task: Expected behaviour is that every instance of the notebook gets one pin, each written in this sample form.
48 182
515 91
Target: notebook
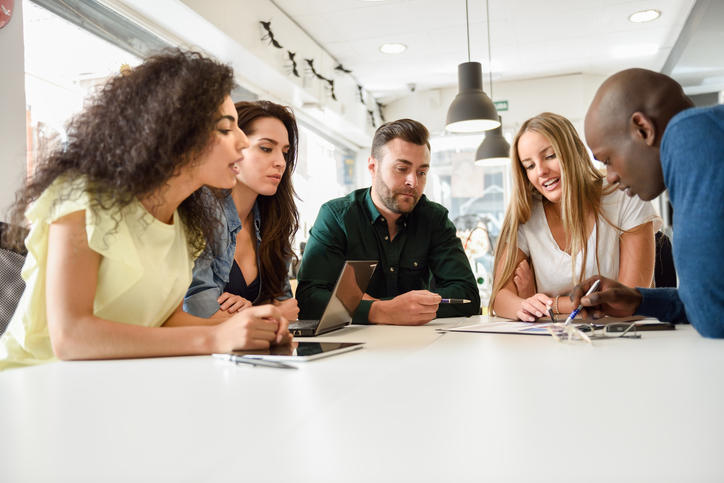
346 297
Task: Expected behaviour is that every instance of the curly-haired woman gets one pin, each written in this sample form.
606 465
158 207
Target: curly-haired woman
117 218
259 218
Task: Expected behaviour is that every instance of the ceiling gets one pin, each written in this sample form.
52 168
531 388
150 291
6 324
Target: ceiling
529 38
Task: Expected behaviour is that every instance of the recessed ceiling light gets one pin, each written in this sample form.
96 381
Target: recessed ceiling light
393 48
644 16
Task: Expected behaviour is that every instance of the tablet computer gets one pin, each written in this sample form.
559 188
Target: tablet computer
302 351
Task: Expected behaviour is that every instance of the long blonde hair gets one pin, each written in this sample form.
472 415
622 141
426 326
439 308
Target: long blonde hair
581 185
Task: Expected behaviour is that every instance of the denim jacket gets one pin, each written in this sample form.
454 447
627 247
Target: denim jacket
210 275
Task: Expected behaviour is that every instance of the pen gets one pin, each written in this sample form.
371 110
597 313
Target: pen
550 312
580 306
253 362
454 301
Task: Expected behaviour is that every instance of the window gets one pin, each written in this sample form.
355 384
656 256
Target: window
475 197
64 64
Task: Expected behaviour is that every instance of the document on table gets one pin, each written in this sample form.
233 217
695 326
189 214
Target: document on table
541 328
506 327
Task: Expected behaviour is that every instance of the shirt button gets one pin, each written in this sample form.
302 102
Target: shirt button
414 264
392 269
386 237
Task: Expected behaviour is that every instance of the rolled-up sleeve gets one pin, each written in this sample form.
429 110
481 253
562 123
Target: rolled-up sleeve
201 297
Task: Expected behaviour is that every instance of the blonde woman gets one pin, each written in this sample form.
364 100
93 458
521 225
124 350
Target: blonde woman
565 224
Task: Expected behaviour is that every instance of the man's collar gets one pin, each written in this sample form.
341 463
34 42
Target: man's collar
375 215
372 211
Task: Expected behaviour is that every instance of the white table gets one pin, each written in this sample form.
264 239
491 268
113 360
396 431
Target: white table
414 405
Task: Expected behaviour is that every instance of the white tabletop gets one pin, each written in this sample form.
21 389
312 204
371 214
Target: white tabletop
414 405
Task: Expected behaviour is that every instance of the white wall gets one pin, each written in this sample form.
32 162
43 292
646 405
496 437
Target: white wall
568 95
230 31
12 113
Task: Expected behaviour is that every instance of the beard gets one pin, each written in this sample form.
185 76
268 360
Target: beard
389 197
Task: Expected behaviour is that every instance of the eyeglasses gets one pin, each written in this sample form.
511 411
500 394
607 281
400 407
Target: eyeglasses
588 332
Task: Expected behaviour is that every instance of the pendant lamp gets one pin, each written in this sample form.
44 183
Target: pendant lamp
494 150
471 110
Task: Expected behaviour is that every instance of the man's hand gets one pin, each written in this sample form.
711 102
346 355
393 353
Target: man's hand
612 298
417 307
524 280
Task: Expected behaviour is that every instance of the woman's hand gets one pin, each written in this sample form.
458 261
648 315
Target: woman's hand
288 308
534 307
254 328
232 303
524 280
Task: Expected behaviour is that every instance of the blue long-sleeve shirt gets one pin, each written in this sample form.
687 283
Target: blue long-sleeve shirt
692 160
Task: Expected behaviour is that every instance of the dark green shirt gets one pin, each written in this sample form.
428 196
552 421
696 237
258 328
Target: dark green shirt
425 249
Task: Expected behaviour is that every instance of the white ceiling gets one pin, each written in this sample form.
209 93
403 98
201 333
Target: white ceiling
529 38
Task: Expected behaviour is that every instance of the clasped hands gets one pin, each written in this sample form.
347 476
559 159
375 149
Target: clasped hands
232 304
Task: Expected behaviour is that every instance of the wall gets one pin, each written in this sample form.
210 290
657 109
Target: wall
567 95
12 115
230 31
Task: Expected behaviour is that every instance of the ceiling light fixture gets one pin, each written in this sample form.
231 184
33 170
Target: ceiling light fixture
644 16
494 150
393 48
471 110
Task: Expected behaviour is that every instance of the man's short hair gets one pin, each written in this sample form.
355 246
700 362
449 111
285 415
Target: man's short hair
406 129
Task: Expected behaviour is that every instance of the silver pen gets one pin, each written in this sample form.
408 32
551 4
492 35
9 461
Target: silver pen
238 359
580 306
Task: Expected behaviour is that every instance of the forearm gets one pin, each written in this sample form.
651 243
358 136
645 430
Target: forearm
562 304
507 304
184 319
90 337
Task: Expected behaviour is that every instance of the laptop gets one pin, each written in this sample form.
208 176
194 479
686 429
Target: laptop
346 297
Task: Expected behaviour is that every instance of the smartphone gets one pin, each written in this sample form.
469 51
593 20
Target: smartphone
302 351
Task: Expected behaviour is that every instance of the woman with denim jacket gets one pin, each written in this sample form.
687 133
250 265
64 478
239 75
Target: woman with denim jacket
249 264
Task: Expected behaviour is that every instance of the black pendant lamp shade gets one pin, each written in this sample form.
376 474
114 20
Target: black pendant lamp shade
494 149
471 110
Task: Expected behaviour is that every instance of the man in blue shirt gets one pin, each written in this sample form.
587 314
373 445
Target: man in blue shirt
642 126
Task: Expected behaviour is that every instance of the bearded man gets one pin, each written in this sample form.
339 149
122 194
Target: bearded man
392 222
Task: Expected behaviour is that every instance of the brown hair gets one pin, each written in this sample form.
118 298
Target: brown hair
279 216
135 134
406 129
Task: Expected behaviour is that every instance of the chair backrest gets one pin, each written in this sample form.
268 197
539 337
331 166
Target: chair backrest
11 285
664 270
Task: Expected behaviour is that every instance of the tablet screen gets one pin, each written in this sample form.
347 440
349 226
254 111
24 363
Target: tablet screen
303 351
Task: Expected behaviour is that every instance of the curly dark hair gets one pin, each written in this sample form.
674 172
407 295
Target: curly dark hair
279 216
135 134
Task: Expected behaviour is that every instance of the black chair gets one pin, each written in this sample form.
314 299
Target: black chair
11 283
664 270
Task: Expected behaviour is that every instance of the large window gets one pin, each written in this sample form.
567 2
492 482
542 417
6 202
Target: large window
325 170
64 64
475 197
74 46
